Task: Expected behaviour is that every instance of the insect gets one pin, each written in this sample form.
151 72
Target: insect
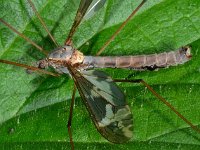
76 75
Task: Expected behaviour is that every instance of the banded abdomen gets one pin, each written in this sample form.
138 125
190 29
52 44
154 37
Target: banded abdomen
139 62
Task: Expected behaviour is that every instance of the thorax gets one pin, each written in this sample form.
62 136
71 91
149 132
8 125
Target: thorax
63 57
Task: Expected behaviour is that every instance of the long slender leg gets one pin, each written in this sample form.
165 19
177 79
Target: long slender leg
28 67
161 99
84 4
42 22
120 28
24 37
70 118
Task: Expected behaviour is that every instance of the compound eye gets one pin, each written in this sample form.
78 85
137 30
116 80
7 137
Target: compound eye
42 64
187 51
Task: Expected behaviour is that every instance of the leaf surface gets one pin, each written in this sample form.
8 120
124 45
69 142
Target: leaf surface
34 108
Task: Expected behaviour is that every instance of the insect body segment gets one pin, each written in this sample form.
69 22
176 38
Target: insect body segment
140 62
61 58
66 56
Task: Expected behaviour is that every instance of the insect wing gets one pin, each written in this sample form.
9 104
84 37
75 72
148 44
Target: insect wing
106 104
94 7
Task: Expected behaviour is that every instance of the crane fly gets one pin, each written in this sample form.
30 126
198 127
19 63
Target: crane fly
102 97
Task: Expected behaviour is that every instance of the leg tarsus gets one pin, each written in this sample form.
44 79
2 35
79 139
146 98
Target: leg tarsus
70 118
70 136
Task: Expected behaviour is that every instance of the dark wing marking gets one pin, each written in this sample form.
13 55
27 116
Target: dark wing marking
106 104
84 4
105 87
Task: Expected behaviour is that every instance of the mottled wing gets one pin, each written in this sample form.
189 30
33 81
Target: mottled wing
106 104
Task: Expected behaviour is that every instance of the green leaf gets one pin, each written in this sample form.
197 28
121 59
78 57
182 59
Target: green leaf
34 108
